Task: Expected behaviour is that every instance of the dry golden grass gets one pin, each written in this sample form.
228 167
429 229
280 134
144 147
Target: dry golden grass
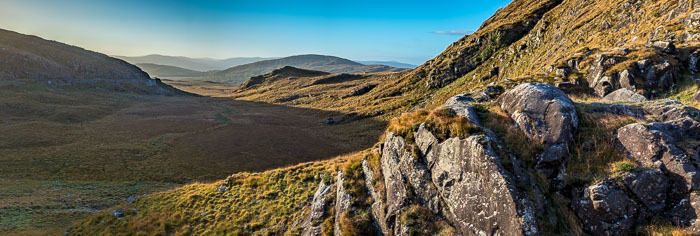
594 155
442 122
267 201
121 137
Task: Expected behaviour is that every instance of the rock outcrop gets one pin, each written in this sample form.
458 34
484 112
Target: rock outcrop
311 225
656 144
623 95
667 188
646 75
342 202
605 209
461 180
546 115
651 111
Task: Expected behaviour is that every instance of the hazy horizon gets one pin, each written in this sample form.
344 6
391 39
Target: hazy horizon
408 32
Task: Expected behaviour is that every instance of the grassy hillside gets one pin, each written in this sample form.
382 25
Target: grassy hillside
33 60
68 153
239 74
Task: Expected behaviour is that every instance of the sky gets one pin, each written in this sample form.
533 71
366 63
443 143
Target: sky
407 31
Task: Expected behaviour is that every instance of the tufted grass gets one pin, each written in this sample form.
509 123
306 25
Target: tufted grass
443 122
593 152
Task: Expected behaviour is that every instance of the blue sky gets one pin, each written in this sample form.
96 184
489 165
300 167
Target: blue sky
406 31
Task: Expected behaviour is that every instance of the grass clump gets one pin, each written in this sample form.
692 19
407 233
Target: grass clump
623 166
593 151
514 140
661 227
420 221
443 122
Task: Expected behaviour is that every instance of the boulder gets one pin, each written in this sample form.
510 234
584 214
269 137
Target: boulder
696 98
459 99
546 115
664 46
650 187
605 209
598 80
407 179
460 105
378 215
656 144
623 95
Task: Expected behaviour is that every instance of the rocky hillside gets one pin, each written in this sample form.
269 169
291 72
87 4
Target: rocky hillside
562 117
239 74
32 60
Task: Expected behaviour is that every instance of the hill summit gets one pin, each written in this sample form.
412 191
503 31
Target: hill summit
32 60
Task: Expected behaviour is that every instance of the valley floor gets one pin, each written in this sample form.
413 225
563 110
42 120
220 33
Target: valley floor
67 154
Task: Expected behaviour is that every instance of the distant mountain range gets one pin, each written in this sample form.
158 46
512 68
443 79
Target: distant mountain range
240 74
196 64
389 63
172 67
168 72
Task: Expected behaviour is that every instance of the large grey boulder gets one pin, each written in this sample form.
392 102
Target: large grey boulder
656 144
623 95
546 115
605 209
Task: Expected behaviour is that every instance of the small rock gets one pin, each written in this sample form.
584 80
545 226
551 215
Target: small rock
330 121
664 46
623 95
118 213
131 199
459 98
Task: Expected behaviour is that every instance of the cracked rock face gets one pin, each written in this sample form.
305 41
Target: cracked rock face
460 180
342 202
318 207
546 115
